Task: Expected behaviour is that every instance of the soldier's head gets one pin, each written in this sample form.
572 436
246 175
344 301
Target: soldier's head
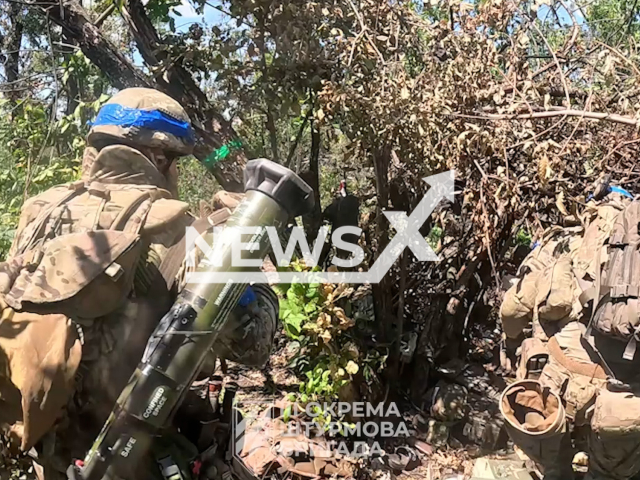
149 121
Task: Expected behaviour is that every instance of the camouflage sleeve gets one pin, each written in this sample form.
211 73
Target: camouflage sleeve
249 334
164 254
190 259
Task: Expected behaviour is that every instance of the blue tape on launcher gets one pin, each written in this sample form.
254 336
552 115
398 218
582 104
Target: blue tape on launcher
114 114
248 297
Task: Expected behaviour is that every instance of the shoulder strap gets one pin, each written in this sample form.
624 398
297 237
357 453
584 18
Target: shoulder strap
591 371
124 219
75 189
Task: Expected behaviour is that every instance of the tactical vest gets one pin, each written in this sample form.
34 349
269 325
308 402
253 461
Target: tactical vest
74 259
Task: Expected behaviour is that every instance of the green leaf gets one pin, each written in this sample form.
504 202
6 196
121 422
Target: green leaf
310 308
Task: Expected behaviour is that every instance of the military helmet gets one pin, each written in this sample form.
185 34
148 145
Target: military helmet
143 117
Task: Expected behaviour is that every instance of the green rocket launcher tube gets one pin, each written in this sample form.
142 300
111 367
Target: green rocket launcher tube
186 334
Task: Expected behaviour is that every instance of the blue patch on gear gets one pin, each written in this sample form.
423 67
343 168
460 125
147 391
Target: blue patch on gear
247 298
614 189
118 115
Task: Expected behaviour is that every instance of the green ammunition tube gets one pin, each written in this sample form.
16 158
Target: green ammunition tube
188 331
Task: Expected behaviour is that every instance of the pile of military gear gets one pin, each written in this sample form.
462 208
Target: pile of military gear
574 317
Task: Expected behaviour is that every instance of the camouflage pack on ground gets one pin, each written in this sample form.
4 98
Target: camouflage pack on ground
615 293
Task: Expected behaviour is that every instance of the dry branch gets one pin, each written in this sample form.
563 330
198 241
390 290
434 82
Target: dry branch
563 79
611 117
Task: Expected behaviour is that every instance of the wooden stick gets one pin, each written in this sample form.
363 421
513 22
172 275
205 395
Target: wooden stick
110 9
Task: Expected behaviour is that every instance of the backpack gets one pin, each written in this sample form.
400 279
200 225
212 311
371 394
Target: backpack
73 261
546 290
616 290
77 249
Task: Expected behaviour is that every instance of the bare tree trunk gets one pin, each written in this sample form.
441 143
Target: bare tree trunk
73 91
296 142
313 221
398 325
73 86
270 122
77 24
213 130
383 291
273 134
11 45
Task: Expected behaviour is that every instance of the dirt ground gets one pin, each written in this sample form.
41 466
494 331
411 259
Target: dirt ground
259 388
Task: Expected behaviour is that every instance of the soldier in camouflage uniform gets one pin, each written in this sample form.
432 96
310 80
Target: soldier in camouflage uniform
94 266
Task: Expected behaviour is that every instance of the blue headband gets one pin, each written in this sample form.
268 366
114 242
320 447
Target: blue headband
114 114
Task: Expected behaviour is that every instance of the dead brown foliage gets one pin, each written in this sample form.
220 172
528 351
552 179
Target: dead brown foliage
527 137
